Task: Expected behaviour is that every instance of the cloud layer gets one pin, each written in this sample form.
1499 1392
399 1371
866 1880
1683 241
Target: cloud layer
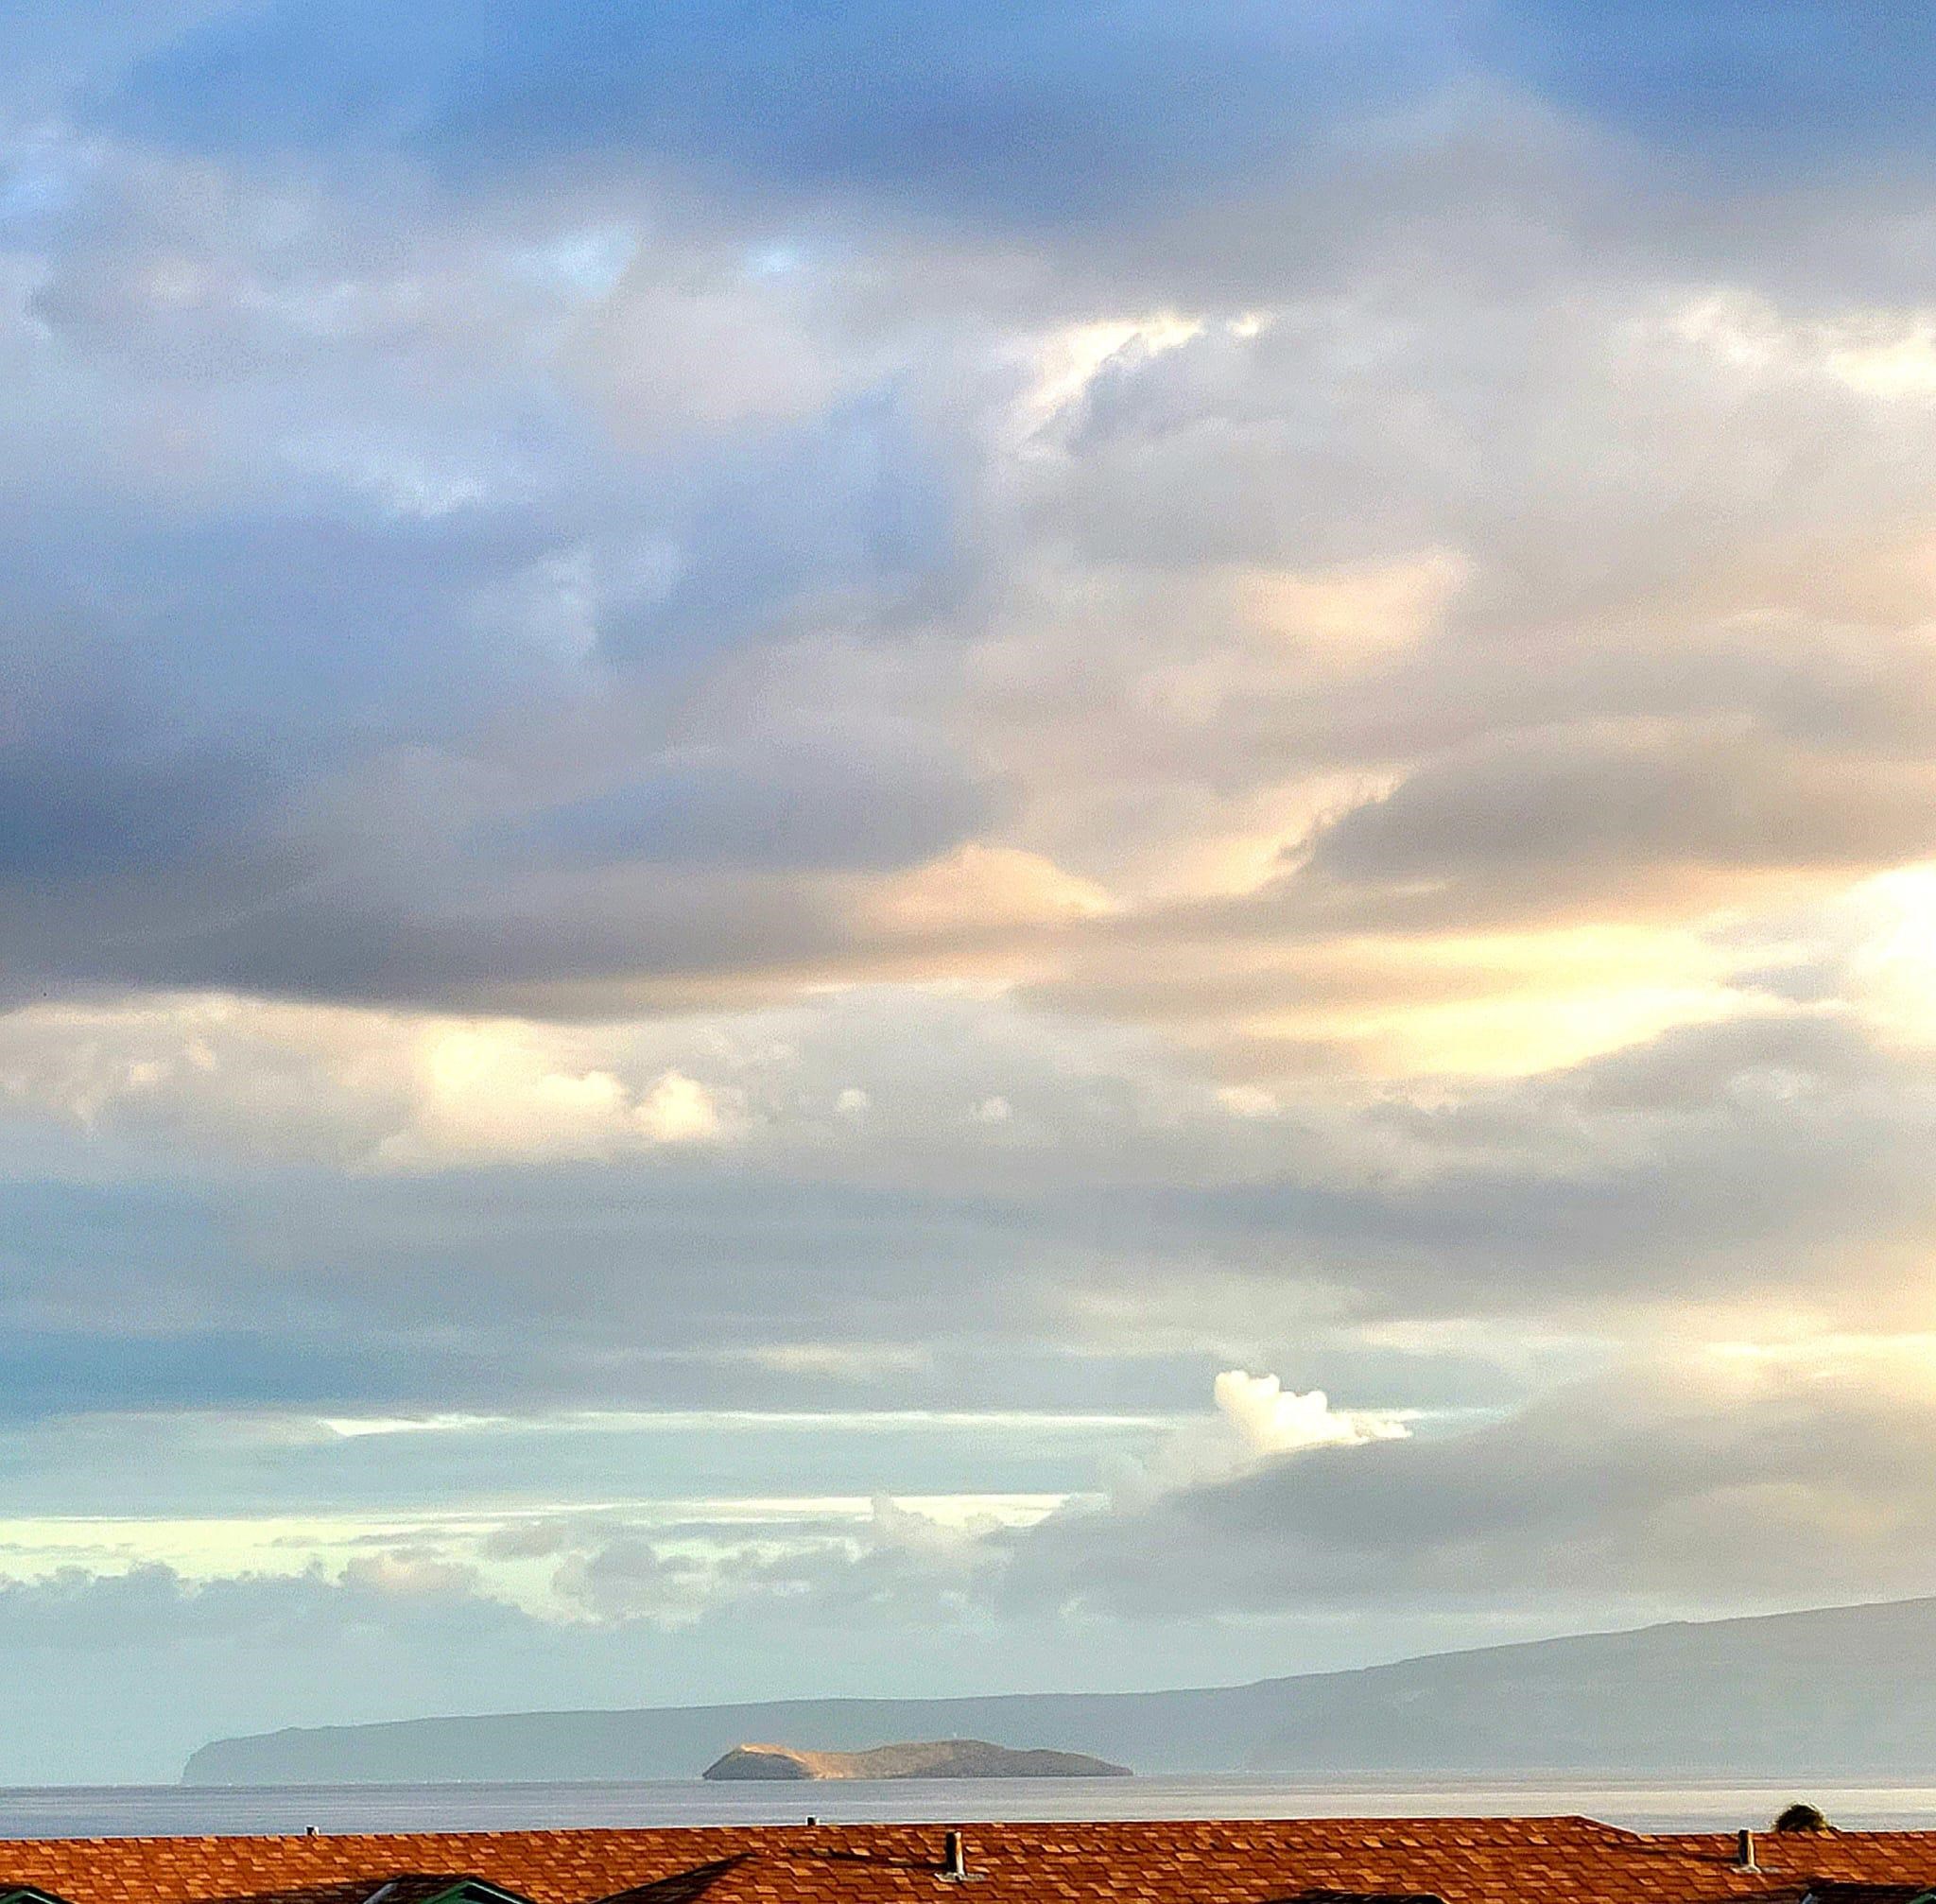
846 717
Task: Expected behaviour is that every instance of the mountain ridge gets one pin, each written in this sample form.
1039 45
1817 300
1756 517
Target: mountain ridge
1822 1690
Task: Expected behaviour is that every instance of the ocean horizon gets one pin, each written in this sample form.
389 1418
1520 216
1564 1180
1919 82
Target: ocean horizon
1654 1805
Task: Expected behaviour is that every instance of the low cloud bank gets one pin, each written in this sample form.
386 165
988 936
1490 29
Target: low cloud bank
1737 1478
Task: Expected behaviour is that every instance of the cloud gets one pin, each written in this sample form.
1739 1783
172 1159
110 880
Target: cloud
1161 596
1257 1420
1774 91
1580 808
1597 1502
1274 1421
483 1094
154 1606
363 1090
417 1193
898 1564
939 736
1054 110
844 800
1071 119
630 1579
1710 1480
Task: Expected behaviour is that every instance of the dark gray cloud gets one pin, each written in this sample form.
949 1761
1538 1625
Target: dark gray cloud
361 475
1557 823
1795 86
1049 113
838 801
81 809
1053 116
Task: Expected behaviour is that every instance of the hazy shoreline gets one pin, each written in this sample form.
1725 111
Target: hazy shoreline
1640 1803
1752 1698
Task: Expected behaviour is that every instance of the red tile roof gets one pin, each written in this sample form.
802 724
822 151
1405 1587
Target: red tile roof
1473 1860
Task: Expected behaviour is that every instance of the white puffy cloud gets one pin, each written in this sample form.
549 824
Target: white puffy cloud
490 1091
370 1090
1273 1420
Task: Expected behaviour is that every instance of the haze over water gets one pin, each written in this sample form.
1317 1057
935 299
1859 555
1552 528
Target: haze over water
1639 1805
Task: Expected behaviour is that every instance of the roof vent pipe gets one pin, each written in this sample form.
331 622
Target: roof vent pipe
1744 1851
955 1858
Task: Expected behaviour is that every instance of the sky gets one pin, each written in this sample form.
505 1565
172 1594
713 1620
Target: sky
885 849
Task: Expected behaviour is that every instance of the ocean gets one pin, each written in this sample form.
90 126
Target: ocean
53 1811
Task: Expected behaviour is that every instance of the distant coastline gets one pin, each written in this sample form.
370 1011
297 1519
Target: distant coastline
1835 1693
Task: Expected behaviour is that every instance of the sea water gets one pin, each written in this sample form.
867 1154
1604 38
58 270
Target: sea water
1644 1804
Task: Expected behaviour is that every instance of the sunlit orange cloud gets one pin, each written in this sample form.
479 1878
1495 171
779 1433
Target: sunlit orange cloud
980 890
1477 1006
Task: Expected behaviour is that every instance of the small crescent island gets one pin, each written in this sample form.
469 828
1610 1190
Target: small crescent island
928 1758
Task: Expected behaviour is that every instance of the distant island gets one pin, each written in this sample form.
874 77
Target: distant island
1842 1693
925 1758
